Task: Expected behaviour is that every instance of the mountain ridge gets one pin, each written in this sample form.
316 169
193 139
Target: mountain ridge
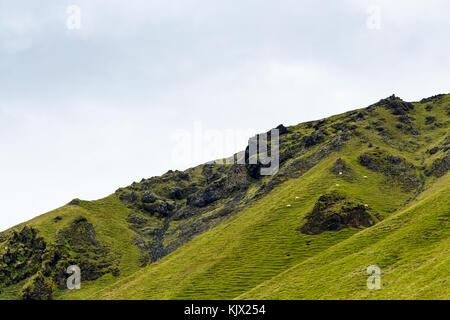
395 150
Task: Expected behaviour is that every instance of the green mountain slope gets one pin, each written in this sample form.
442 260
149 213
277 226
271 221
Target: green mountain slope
368 187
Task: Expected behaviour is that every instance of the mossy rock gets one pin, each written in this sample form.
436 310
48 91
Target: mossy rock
439 167
38 287
22 256
396 105
395 168
340 167
335 211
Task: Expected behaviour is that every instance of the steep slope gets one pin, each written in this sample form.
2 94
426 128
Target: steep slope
411 248
366 187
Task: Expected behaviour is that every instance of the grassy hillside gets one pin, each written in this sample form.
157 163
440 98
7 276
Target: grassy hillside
368 187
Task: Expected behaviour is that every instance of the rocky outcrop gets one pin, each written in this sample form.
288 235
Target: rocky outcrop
209 174
75 202
432 98
395 168
339 167
335 211
282 129
79 234
161 207
406 125
236 180
148 197
136 218
396 105
28 256
22 256
439 167
430 120
38 287
312 139
343 126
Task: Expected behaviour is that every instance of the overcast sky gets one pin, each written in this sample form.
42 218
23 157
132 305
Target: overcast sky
86 110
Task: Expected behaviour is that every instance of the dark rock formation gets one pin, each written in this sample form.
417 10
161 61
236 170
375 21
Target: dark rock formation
135 218
439 167
333 212
236 180
148 197
395 168
313 139
22 257
433 150
430 120
176 194
339 167
342 126
209 174
432 98
79 234
396 105
282 130
159 206
37 287
75 202
407 127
